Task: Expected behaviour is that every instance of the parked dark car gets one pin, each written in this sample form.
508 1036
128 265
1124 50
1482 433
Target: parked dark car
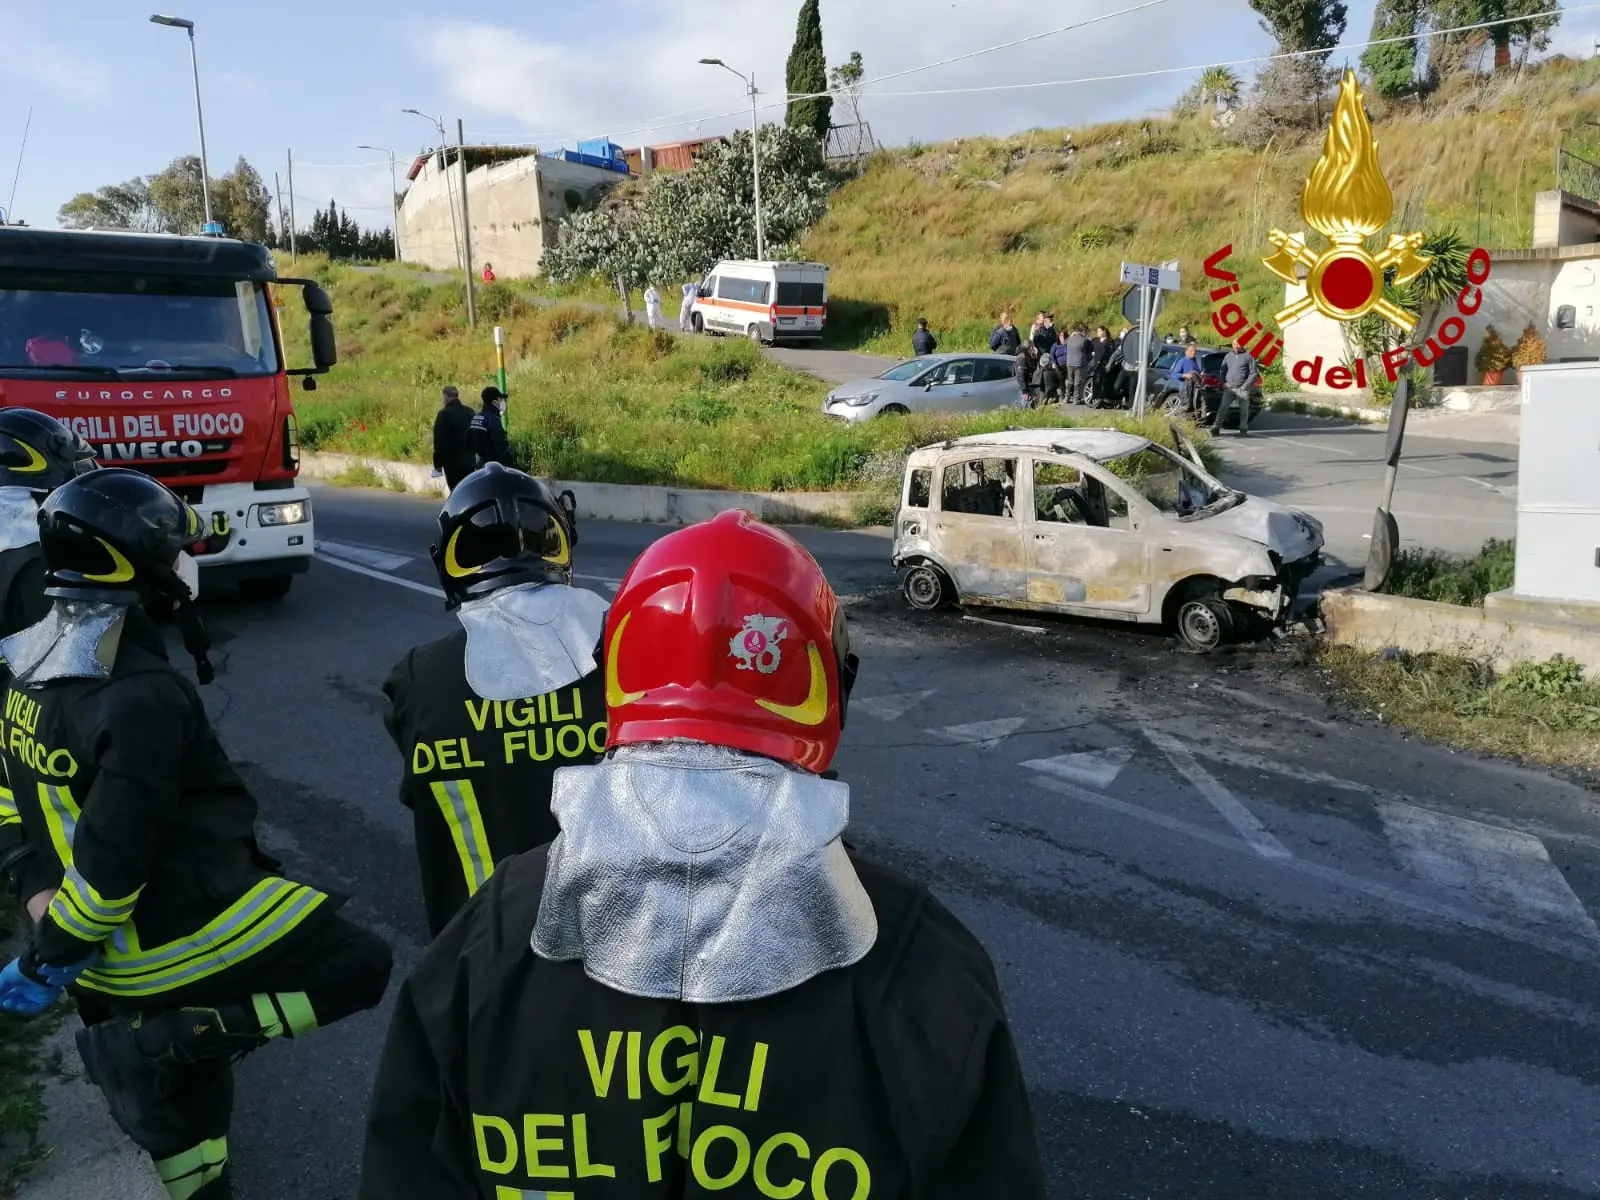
1163 389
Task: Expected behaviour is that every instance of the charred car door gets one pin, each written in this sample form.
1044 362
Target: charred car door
976 531
1084 552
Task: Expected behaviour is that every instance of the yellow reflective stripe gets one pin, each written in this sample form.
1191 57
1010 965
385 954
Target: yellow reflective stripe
298 1014
459 803
8 807
265 915
185 1174
267 1014
284 1014
78 899
60 818
507 1193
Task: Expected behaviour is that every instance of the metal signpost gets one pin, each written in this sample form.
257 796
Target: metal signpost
1149 282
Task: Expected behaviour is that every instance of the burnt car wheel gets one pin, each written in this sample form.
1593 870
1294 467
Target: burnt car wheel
1205 623
926 588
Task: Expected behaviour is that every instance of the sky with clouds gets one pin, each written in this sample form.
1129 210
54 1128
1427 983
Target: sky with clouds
112 95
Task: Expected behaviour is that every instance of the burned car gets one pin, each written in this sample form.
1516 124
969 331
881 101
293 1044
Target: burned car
1097 523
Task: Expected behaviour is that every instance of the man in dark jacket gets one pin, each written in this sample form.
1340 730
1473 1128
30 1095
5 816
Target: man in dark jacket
485 716
37 455
697 987
1101 348
1075 363
1044 332
922 341
487 434
1004 337
183 945
452 447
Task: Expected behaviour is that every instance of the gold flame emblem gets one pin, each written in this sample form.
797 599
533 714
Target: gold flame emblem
1347 200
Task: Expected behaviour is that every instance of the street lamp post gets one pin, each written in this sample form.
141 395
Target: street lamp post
211 227
394 195
755 143
455 233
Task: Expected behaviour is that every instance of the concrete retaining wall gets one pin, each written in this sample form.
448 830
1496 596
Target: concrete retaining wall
615 501
1375 622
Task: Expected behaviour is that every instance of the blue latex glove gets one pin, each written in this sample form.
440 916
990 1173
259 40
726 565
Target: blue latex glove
30 992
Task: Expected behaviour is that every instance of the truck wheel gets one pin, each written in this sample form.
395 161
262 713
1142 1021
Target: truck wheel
271 587
1205 623
698 322
927 588
754 334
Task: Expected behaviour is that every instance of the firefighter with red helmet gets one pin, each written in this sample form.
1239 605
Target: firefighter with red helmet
696 987
484 716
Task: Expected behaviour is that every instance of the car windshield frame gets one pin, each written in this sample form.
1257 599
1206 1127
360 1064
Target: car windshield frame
139 324
913 366
1220 497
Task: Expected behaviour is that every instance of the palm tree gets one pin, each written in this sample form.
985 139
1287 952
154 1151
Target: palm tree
1219 86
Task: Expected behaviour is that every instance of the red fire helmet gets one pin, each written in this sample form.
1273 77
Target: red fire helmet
728 633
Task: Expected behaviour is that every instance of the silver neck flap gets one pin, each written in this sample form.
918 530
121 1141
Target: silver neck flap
529 640
691 872
19 518
77 640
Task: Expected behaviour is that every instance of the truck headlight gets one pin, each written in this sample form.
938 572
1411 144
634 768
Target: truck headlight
291 512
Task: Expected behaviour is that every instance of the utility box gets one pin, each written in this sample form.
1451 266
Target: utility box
1558 485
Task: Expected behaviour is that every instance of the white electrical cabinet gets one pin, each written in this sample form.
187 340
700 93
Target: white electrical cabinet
1558 484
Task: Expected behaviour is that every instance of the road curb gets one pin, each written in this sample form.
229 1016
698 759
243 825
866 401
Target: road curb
89 1155
612 501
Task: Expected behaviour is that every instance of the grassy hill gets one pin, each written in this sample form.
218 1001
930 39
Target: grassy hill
958 232
593 400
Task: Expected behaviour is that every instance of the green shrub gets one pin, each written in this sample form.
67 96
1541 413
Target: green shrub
1454 579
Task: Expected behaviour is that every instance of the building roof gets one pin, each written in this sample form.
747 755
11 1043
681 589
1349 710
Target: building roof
119 252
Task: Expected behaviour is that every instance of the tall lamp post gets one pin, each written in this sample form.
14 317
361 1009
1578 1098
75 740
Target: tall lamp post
444 143
210 227
394 195
755 142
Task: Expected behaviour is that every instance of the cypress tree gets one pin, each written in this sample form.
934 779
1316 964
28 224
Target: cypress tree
1393 68
808 74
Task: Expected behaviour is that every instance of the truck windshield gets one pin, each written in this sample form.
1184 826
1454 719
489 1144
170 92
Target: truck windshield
134 325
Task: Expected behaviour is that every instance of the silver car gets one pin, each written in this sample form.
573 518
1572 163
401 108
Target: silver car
933 383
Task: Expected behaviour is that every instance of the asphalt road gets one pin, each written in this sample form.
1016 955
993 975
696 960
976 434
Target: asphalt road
1249 949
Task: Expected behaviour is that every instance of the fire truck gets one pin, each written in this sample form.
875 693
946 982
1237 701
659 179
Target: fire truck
166 354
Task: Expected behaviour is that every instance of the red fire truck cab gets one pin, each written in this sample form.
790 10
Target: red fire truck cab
165 353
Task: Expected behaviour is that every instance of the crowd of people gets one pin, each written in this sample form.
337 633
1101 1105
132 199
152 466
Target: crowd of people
581 774
1079 365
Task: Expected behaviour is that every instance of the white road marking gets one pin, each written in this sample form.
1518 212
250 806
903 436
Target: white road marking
1255 762
1004 624
893 706
398 581
367 556
1511 871
986 735
1315 448
1577 951
1096 768
1219 797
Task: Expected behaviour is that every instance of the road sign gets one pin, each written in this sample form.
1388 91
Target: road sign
1143 275
1132 347
1130 305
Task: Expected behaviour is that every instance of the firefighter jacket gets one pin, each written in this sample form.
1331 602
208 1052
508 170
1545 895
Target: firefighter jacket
509 1075
22 599
478 773
136 815
22 603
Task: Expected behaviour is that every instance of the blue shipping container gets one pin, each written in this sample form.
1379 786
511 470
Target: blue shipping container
600 148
